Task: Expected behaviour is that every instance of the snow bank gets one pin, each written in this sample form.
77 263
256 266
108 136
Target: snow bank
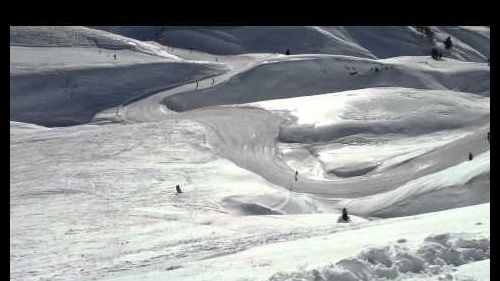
306 75
477 271
465 184
435 257
354 252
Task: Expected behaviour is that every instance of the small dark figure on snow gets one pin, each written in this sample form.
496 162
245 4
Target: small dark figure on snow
376 69
447 43
470 156
488 136
114 56
178 189
436 54
344 217
287 52
296 175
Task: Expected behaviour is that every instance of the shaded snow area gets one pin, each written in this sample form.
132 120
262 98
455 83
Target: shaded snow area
471 43
266 148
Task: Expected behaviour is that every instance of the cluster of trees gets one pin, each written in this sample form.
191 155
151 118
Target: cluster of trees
429 33
427 30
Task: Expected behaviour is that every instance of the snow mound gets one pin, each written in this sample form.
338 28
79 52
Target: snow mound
376 111
307 75
435 257
464 184
78 36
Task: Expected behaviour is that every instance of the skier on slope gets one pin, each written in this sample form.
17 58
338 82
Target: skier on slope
344 217
296 175
114 56
488 137
470 156
178 189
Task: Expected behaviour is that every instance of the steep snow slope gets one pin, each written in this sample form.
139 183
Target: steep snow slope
392 41
304 75
360 41
231 40
60 86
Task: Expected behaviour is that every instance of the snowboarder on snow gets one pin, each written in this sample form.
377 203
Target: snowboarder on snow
470 156
447 43
178 189
436 53
344 217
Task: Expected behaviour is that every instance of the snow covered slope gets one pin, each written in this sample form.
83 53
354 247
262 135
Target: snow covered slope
101 204
79 36
470 43
266 148
304 75
59 78
425 247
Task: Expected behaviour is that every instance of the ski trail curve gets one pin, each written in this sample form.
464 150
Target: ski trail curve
248 137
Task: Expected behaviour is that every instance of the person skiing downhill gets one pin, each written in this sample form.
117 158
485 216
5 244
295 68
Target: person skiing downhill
114 56
178 189
344 217
470 156
488 137
296 175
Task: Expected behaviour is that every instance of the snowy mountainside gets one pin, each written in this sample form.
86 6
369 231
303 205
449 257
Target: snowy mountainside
63 76
79 36
266 148
292 76
359 41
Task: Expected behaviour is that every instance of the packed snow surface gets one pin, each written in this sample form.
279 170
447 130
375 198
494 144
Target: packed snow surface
266 147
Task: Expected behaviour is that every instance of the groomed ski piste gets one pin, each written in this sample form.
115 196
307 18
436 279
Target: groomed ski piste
105 121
